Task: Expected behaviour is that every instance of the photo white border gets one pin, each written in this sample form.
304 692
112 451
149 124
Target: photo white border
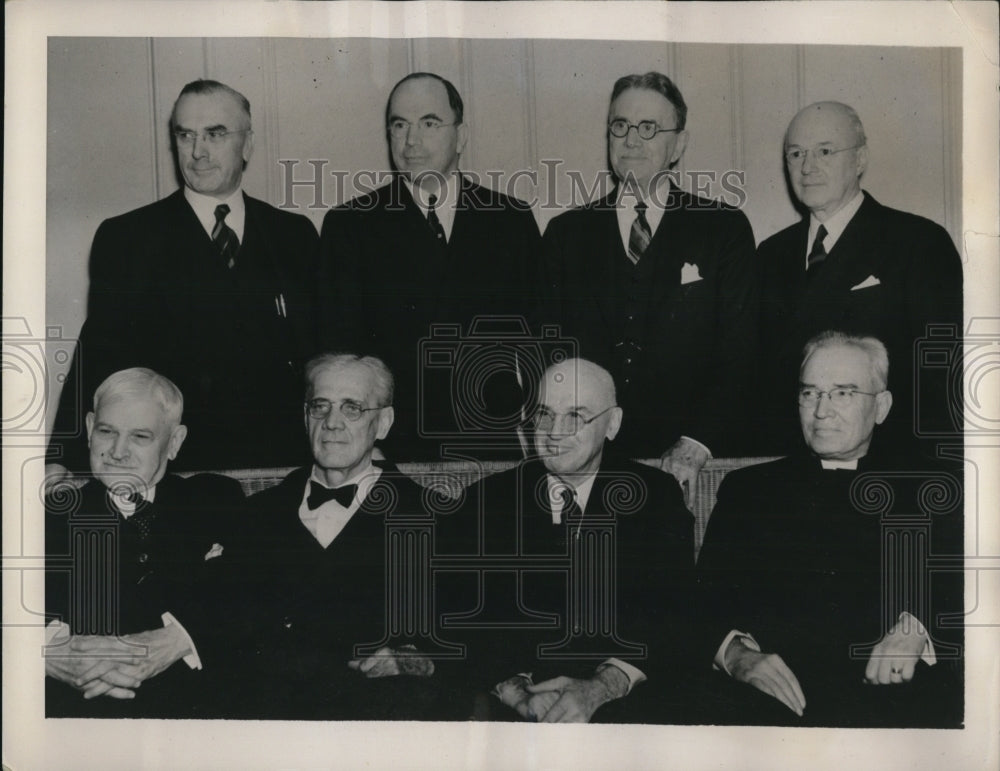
32 743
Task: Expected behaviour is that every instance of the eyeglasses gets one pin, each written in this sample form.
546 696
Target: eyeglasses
399 128
545 419
796 155
647 129
212 136
320 408
839 397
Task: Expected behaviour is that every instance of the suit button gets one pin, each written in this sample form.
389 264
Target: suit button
143 558
628 361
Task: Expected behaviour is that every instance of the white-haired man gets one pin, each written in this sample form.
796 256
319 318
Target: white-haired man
131 563
820 594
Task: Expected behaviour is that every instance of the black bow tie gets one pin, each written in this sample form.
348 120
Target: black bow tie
318 495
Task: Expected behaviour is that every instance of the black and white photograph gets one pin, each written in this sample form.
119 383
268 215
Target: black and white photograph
383 380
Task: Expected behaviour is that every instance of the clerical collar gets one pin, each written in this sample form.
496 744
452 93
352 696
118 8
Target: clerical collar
842 464
204 209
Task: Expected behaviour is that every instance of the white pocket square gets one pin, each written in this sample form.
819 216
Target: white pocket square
215 551
689 273
870 281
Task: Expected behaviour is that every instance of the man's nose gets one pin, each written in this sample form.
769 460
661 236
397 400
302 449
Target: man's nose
632 138
808 162
334 419
412 134
199 147
119 448
824 407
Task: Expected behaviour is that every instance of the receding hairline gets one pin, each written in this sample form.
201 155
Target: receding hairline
583 371
835 108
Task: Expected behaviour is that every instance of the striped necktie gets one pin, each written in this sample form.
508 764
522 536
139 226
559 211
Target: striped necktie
640 235
224 237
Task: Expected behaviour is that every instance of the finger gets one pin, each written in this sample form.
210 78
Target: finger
772 689
540 704
97 688
884 676
354 663
791 682
909 669
118 678
121 693
96 672
555 684
871 670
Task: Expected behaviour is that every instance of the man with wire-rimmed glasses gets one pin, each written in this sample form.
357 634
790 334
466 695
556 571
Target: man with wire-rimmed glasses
314 568
856 265
595 552
821 605
209 287
658 286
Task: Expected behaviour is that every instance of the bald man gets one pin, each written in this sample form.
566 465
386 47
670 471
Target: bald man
581 524
854 265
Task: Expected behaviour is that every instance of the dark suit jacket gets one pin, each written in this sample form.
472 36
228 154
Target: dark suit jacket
812 562
102 578
385 280
691 346
160 298
920 283
521 604
306 610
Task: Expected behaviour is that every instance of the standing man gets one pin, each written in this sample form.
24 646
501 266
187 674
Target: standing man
822 605
603 548
209 287
855 265
314 567
432 247
658 286
131 564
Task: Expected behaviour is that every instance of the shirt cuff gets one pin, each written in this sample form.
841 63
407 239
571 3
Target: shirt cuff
634 674
720 655
695 441
927 655
192 659
57 632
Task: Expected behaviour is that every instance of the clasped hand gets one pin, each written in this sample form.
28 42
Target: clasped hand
388 662
562 699
99 665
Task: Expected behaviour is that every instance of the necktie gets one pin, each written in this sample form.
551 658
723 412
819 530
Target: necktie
318 495
142 519
432 219
571 513
224 237
818 252
640 235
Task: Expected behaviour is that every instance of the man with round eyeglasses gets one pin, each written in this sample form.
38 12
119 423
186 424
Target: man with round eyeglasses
821 605
658 286
586 525
856 265
210 287
420 259
315 571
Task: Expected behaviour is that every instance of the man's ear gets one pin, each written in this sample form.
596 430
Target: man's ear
177 437
463 137
862 160
385 418
247 147
679 146
614 423
91 417
883 403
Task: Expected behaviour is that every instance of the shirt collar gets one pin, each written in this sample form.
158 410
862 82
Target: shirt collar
204 209
835 225
582 486
841 464
625 202
120 495
364 478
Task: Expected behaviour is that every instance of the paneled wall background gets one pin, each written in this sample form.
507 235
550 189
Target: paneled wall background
536 111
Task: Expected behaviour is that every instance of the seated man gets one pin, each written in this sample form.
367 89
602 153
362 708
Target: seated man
130 566
817 566
313 565
592 562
